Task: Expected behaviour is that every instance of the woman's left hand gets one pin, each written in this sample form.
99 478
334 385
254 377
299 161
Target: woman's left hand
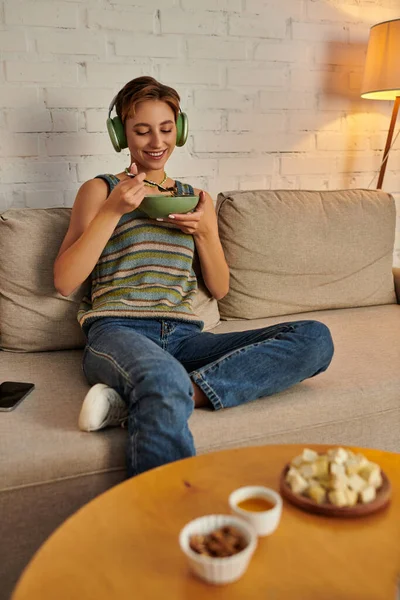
201 222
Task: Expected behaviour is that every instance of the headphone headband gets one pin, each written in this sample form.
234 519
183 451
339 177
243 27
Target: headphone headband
113 101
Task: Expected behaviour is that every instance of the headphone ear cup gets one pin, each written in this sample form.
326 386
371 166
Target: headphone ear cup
116 132
182 129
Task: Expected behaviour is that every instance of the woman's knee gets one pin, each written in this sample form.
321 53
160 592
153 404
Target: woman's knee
166 378
99 367
320 342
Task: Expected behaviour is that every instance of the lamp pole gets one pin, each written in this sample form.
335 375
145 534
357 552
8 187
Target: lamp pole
388 142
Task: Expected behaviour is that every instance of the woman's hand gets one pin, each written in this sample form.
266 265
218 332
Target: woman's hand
128 194
201 222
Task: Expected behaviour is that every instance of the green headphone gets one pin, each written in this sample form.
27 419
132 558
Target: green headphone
116 129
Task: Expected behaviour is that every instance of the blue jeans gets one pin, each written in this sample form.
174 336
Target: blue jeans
153 362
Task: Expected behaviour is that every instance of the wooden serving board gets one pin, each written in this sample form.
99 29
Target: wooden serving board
359 510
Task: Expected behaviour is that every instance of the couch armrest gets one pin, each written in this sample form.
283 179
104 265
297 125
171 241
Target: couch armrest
396 276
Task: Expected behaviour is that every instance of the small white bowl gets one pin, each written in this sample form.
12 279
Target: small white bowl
218 570
264 522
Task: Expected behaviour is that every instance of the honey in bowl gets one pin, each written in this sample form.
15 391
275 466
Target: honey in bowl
256 504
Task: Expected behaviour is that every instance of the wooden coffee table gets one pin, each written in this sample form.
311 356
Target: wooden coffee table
124 544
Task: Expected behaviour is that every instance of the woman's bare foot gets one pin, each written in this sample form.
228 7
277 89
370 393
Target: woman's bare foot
200 399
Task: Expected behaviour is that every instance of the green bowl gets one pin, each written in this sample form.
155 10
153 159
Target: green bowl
158 206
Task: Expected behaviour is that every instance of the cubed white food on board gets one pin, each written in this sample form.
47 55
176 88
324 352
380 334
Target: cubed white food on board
297 483
297 461
322 466
292 471
356 483
372 474
352 466
351 497
367 494
338 482
338 455
308 470
309 455
340 475
338 497
337 469
316 493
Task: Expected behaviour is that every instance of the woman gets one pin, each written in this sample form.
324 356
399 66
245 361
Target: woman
146 354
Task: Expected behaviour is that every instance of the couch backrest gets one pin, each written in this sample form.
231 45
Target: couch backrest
288 252
294 251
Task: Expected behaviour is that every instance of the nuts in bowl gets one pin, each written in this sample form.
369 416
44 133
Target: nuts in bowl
337 482
218 547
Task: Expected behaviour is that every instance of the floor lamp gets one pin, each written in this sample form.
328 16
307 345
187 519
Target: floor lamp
382 75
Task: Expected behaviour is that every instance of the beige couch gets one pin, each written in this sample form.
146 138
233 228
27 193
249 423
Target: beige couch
292 255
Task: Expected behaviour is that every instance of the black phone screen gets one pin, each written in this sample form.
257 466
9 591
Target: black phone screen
12 393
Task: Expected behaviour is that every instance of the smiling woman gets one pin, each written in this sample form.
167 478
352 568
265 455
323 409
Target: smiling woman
147 357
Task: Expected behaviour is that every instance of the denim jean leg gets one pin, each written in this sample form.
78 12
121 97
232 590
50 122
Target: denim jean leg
247 365
156 387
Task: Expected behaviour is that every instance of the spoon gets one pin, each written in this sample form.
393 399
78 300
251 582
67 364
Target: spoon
153 183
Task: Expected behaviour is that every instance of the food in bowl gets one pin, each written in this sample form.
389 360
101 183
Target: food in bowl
224 541
338 477
258 505
218 569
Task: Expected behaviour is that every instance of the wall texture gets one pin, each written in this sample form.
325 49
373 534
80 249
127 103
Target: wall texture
271 88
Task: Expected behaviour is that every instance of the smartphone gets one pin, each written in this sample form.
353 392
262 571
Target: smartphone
12 393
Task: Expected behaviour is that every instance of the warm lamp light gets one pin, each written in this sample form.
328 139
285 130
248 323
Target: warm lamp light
382 75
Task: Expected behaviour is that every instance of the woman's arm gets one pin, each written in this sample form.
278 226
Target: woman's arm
202 224
214 268
93 220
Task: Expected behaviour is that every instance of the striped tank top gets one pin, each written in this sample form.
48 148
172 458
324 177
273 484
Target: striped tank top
145 271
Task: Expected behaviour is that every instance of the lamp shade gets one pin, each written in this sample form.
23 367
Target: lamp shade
382 65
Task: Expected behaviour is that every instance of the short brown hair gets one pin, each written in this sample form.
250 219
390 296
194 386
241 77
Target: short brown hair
144 88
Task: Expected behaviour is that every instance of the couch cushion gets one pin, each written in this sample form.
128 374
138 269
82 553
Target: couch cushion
296 251
33 316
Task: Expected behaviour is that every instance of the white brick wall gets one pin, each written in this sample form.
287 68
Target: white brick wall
271 89
41 14
40 72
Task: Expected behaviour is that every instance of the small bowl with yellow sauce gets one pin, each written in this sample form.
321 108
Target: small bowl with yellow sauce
258 505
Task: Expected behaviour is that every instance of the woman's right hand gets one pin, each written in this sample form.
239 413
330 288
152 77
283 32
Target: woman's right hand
129 193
